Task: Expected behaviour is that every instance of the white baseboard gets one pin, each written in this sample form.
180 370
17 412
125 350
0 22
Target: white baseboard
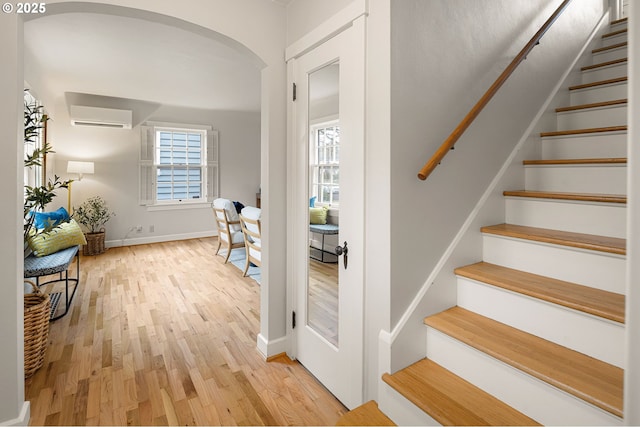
159 239
270 348
23 417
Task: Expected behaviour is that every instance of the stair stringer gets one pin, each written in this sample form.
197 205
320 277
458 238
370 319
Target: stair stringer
404 345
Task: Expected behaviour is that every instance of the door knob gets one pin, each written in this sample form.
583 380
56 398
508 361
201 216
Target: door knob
343 250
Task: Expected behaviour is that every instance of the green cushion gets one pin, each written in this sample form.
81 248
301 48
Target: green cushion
318 215
64 236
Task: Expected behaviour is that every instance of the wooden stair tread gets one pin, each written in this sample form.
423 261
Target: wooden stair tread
619 21
597 302
594 105
584 131
592 242
599 161
583 197
367 414
613 46
451 400
585 377
599 83
614 33
604 64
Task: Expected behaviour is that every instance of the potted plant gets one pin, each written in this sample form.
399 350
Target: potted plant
37 196
93 213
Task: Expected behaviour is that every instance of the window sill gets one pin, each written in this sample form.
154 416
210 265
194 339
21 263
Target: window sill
178 206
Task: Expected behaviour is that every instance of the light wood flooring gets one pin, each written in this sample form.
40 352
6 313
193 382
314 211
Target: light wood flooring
323 299
165 334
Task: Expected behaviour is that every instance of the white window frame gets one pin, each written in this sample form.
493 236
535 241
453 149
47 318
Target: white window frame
202 166
315 181
149 165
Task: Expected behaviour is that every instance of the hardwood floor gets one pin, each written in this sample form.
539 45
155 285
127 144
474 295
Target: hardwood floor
323 299
165 334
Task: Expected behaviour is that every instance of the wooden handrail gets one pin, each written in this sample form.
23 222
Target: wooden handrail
470 117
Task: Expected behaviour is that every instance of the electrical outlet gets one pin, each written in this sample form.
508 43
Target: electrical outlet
151 229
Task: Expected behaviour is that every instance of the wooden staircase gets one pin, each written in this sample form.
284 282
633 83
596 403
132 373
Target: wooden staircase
538 332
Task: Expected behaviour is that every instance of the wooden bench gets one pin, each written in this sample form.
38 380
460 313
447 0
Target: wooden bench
57 263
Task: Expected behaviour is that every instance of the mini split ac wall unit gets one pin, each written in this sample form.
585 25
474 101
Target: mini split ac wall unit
101 117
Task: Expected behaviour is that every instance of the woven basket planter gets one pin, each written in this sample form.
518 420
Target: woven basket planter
95 243
37 310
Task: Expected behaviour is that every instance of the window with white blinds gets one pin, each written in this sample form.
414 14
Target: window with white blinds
178 164
324 163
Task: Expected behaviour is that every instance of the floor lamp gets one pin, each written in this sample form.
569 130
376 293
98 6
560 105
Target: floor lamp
80 168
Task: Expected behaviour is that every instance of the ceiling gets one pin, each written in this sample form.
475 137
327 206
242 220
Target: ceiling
131 58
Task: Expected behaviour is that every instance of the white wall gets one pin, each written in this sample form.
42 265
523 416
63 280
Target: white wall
305 15
378 194
13 409
431 93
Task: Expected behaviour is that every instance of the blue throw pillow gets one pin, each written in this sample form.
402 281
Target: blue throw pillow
50 219
312 202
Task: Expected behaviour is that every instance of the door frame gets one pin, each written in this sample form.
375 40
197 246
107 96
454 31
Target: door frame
297 196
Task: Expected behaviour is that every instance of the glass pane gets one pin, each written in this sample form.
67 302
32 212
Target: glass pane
164 175
195 157
180 175
321 155
165 157
194 191
195 140
195 174
321 138
179 157
326 175
165 139
164 192
180 191
323 277
179 139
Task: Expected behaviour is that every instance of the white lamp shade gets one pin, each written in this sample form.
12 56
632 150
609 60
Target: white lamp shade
79 167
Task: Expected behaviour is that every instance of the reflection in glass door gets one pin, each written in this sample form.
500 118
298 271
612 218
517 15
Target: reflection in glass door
324 195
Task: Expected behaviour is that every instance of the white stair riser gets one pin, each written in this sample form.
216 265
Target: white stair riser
610 179
537 399
401 410
598 94
603 219
604 73
608 41
619 26
594 146
589 268
596 337
610 55
592 118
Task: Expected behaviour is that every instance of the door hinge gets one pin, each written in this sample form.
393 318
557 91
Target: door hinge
293 320
294 91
